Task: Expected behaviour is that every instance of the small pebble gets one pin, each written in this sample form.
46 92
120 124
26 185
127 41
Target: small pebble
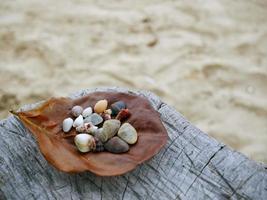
87 112
85 142
116 145
76 111
95 119
78 121
67 124
101 106
128 133
110 128
117 107
123 115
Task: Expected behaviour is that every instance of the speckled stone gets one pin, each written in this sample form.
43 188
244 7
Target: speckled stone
128 133
110 128
95 119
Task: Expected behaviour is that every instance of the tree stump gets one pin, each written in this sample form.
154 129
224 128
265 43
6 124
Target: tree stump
191 166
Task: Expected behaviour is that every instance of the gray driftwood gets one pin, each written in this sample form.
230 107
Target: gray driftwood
191 166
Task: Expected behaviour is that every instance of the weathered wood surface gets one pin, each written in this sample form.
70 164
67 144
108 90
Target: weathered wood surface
191 166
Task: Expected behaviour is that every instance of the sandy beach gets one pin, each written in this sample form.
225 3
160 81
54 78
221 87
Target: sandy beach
208 60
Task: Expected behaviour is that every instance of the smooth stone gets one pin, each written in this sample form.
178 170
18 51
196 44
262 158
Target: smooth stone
95 119
67 124
128 133
87 111
78 121
117 107
101 106
76 111
85 142
116 145
110 129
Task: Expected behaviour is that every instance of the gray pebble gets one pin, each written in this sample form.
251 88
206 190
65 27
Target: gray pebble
95 119
76 111
116 145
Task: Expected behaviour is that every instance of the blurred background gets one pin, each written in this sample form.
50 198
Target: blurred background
208 59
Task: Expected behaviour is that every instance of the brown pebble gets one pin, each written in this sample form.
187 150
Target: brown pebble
123 115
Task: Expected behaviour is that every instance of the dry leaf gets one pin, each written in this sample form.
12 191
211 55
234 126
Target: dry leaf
45 123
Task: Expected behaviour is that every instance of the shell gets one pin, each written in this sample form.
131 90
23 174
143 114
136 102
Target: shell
110 128
116 145
106 116
117 106
101 106
85 142
99 145
95 119
128 133
87 128
123 115
76 111
67 124
78 121
87 112
108 111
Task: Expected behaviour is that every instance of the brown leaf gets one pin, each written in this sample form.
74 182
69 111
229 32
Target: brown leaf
45 123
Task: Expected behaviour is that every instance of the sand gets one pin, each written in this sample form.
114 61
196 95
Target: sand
208 60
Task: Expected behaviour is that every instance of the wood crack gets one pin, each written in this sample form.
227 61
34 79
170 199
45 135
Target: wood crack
124 191
162 104
210 159
101 189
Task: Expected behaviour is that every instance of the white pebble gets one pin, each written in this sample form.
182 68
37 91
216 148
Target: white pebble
87 111
67 124
78 121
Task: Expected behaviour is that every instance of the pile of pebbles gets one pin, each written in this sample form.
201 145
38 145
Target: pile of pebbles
101 129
